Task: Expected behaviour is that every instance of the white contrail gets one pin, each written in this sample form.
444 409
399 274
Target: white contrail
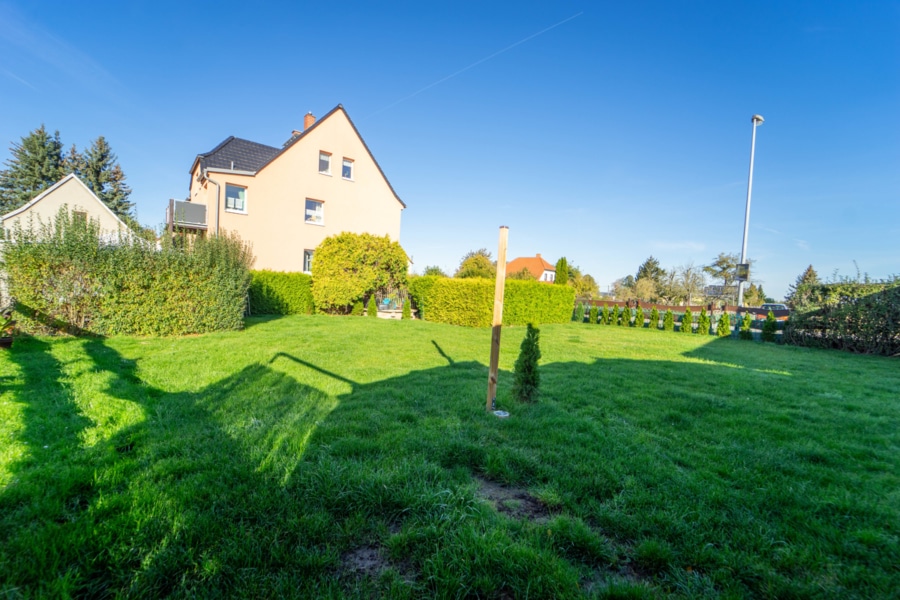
476 63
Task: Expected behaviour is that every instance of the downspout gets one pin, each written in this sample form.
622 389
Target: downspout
218 190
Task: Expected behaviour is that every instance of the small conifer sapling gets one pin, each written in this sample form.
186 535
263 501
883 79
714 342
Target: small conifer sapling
654 318
703 322
687 322
669 321
746 323
526 378
639 317
769 328
723 327
593 314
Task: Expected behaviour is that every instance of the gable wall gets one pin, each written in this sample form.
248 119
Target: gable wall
72 194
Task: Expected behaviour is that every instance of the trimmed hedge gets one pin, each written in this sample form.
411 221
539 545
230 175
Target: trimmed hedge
66 278
470 302
277 293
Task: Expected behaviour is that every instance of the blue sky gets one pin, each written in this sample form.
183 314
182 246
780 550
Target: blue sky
605 132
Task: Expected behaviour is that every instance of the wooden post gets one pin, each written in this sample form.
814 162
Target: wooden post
498 318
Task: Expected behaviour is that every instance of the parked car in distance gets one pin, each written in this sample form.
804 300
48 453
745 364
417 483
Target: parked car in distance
774 307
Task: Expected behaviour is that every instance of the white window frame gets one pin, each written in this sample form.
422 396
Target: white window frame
321 212
239 211
326 156
345 162
307 260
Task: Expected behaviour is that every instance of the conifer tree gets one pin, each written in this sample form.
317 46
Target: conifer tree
723 326
639 317
562 272
687 322
592 319
526 378
798 293
654 318
703 322
36 164
73 162
101 172
372 308
578 315
769 328
746 323
407 309
625 317
669 321
604 315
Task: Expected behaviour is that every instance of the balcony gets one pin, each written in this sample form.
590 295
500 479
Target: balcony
185 215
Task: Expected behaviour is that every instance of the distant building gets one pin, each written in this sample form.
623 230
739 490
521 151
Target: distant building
284 201
536 265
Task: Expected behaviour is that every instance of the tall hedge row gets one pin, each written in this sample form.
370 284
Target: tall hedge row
65 277
276 293
859 317
470 302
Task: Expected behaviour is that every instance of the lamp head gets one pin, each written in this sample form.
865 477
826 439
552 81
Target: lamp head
757 119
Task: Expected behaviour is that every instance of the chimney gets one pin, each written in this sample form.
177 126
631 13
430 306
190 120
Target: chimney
538 254
308 121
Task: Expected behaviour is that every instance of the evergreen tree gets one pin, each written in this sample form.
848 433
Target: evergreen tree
769 328
723 326
101 172
604 315
578 315
639 317
36 164
593 314
651 270
654 318
372 308
669 321
746 324
526 378
798 293
73 162
625 317
407 309
687 322
703 322
562 272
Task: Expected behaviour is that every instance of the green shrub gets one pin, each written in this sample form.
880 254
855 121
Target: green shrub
687 321
276 293
65 278
359 309
407 310
604 315
746 324
578 313
526 378
639 317
849 315
625 317
372 306
669 321
470 302
769 328
723 325
654 318
350 266
592 318
703 322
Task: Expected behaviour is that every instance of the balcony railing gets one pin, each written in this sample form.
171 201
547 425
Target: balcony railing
184 214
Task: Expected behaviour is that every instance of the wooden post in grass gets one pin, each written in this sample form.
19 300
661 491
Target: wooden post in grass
498 318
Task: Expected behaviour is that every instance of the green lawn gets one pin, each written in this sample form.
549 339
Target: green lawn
352 457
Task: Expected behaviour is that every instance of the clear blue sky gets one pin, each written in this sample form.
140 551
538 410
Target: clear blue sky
605 132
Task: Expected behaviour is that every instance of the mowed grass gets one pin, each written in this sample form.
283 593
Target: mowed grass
352 457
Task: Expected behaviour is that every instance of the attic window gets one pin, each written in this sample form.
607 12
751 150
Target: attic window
235 198
325 163
347 169
80 215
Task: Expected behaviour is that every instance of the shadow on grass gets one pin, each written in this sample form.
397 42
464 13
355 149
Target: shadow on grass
260 485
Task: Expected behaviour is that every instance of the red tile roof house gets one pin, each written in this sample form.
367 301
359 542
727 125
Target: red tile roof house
536 265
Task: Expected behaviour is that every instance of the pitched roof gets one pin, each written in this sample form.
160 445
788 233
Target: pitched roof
536 265
255 157
236 154
55 187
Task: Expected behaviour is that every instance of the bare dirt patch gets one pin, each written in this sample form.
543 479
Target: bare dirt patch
371 562
512 501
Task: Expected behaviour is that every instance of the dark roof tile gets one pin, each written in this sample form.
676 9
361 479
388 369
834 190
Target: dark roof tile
238 154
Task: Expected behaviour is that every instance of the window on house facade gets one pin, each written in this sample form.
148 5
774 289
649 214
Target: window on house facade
235 198
307 261
80 215
325 163
315 212
347 169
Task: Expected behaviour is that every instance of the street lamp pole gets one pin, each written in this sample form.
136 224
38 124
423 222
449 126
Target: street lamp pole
757 120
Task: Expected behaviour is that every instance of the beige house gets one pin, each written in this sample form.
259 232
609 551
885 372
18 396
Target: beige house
285 201
72 193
